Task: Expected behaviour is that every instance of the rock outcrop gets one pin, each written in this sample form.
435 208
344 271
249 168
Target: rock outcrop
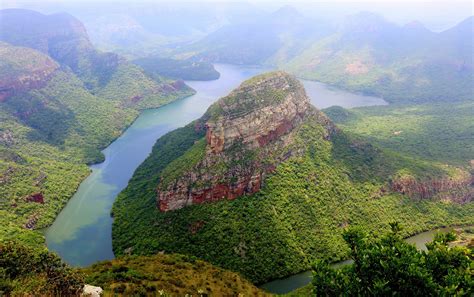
23 69
248 133
92 291
458 189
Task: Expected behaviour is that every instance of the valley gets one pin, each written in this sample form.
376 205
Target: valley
86 221
235 149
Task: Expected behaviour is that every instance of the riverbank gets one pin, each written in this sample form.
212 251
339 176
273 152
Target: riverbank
298 285
81 233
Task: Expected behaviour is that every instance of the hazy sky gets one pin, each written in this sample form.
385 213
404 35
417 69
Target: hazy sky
435 14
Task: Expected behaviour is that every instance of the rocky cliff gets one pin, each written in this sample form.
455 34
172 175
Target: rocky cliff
23 69
248 133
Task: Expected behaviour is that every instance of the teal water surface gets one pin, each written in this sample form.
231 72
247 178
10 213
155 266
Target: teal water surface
291 283
82 232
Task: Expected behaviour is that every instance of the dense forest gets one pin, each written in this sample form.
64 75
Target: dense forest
291 194
307 201
58 111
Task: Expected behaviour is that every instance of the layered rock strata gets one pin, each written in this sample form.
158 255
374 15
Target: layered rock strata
248 133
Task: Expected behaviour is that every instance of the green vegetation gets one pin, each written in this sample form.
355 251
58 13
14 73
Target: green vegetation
296 218
390 266
167 275
24 271
49 132
177 69
399 64
241 101
441 132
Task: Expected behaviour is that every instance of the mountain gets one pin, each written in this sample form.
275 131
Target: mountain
264 184
65 39
187 69
139 29
269 39
248 133
62 102
401 64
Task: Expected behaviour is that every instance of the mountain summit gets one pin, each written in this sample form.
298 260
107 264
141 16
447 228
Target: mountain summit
248 133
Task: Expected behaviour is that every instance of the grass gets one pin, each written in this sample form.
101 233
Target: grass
167 275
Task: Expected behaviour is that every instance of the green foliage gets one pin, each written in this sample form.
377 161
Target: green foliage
395 63
435 132
296 218
168 275
49 132
24 270
182 165
390 266
157 67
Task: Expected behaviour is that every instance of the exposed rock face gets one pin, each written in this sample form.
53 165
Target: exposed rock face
248 133
259 113
91 291
23 69
460 189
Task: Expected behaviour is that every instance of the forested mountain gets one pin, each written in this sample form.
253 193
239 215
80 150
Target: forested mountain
264 184
271 39
401 64
62 101
363 53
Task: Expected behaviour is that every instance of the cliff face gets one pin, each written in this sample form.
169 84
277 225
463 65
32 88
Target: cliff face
23 69
248 133
458 189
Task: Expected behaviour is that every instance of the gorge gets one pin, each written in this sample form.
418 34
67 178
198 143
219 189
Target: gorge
86 221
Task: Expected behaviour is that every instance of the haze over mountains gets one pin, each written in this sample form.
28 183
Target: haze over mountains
263 183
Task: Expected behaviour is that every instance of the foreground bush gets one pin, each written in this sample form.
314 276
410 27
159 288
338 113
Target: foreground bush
390 266
25 270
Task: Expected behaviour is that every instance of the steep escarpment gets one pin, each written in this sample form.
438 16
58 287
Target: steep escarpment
61 103
248 133
64 38
23 69
316 181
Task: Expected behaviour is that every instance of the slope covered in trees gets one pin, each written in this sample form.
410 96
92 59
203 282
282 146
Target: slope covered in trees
401 64
299 213
61 103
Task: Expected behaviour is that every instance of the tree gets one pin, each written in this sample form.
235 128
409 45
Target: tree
390 266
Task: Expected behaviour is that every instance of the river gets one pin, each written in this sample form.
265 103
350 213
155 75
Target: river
291 283
82 232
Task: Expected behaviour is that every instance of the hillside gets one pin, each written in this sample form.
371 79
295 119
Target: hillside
441 132
267 193
401 64
27 271
168 275
270 39
177 69
56 118
64 38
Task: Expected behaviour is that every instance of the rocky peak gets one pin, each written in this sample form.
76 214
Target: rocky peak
248 133
259 111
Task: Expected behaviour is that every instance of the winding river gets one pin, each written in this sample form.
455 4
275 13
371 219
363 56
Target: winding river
81 234
291 283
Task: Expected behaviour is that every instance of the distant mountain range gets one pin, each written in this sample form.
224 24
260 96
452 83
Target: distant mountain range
365 53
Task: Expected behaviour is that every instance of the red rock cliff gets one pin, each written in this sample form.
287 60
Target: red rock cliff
248 133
